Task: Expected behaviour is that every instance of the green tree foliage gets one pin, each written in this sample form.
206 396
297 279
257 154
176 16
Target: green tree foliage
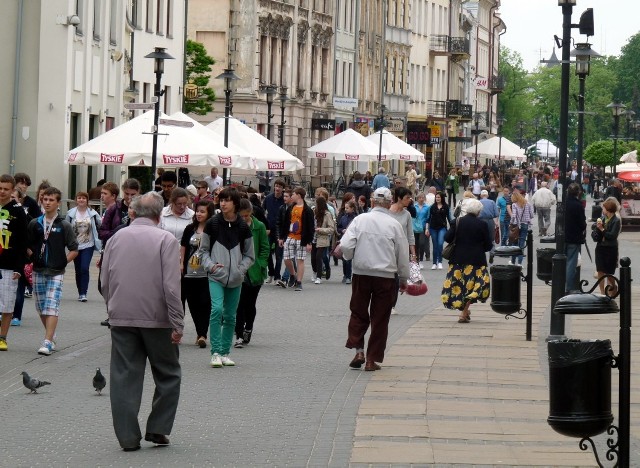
628 71
600 153
513 102
197 71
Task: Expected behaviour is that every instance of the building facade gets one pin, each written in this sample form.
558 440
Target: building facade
70 65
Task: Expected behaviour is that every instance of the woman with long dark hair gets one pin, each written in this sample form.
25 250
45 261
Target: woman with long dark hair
325 226
437 221
195 286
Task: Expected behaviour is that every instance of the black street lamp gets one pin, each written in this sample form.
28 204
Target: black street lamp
283 100
228 76
500 121
270 91
583 54
381 126
159 56
477 132
617 110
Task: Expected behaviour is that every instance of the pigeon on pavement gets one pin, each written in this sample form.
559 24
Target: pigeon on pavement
32 383
99 382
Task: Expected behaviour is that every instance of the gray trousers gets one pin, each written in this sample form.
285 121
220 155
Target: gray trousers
544 220
130 348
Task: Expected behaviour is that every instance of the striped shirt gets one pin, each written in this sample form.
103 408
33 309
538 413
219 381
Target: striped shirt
522 215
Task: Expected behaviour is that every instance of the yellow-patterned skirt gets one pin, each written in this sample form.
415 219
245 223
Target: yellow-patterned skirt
465 283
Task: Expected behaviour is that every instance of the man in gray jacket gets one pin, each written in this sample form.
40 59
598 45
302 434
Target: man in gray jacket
147 321
378 246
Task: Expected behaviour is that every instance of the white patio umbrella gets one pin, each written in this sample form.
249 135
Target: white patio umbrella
130 144
545 149
395 147
348 146
495 148
265 154
630 157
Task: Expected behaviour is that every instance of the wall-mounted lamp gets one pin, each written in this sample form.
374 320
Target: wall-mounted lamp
116 55
73 20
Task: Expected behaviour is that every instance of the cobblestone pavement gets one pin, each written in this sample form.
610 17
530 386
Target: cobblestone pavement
448 394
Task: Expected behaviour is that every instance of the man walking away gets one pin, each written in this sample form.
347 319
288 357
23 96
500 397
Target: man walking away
147 322
542 200
378 246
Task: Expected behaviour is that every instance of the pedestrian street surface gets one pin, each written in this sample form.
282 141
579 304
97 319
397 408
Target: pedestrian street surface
448 394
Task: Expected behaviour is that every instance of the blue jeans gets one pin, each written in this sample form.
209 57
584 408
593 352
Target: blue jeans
437 237
222 323
82 263
522 240
504 232
346 268
572 264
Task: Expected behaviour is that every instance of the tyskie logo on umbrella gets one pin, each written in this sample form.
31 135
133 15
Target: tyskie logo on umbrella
111 158
352 157
321 155
224 160
72 157
275 165
176 159
405 157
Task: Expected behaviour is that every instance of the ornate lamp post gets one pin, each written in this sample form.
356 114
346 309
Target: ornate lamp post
283 100
228 76
159 56
477 132
270 91
617 110
583 54
500 121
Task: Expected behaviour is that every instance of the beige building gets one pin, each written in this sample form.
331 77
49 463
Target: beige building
68 68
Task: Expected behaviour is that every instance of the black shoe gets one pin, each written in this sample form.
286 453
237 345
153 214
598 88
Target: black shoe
281 283
292 282
246 336
491 254
158 439
327 273
131 449
105 323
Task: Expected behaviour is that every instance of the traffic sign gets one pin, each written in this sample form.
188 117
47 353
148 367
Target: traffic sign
139 106
176 123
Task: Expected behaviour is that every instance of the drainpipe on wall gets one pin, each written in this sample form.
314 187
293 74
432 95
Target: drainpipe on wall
16 89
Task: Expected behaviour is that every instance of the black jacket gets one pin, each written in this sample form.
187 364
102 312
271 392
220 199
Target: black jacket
576 221
472 241
359 187
308 224
13 238
52 260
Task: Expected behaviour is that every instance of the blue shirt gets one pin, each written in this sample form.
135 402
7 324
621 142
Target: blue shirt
380 180
502 203
489 209
420 221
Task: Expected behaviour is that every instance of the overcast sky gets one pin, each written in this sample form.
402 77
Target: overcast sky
531 25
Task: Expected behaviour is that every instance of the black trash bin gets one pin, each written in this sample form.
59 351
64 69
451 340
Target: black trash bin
580 387
505 288
596 210
545 263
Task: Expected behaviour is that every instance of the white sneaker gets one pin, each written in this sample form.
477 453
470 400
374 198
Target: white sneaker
434 266
394 311
216 361
421 266
226 361
439 266
46 348
239 343
314 277
317 281
269 280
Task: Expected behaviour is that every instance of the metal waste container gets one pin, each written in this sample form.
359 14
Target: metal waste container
505 288
545 263
580 387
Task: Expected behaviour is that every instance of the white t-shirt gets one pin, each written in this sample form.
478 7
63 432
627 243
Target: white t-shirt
213 182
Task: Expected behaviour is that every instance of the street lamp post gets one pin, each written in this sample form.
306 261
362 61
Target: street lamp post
270 92
228 76
500 121
617 110
159 56
381 128
583 54
559 272
283 100
477 122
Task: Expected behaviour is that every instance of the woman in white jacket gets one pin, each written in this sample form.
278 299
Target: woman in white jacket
85 222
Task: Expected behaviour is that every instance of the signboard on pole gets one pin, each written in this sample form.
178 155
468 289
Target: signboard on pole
418 133
139 106
176 123
435 134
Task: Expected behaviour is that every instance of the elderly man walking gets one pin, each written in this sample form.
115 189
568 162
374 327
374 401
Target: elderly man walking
542 200
147 319
378 246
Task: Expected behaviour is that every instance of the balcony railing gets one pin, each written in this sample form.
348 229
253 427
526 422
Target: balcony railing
466 113
459 46
453 108
496 84
437 108
456 47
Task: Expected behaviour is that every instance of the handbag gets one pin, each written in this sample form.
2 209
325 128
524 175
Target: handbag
447 252
496 236
514 233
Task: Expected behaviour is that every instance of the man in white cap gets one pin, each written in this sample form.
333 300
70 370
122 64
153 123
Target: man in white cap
377 244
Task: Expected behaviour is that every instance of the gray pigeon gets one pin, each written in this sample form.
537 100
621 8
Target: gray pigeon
99 382
32 383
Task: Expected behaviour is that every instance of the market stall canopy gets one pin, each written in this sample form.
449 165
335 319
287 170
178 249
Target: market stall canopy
348 146
545 149
180 144
630 157
395 147
265 154
629 172
494 148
